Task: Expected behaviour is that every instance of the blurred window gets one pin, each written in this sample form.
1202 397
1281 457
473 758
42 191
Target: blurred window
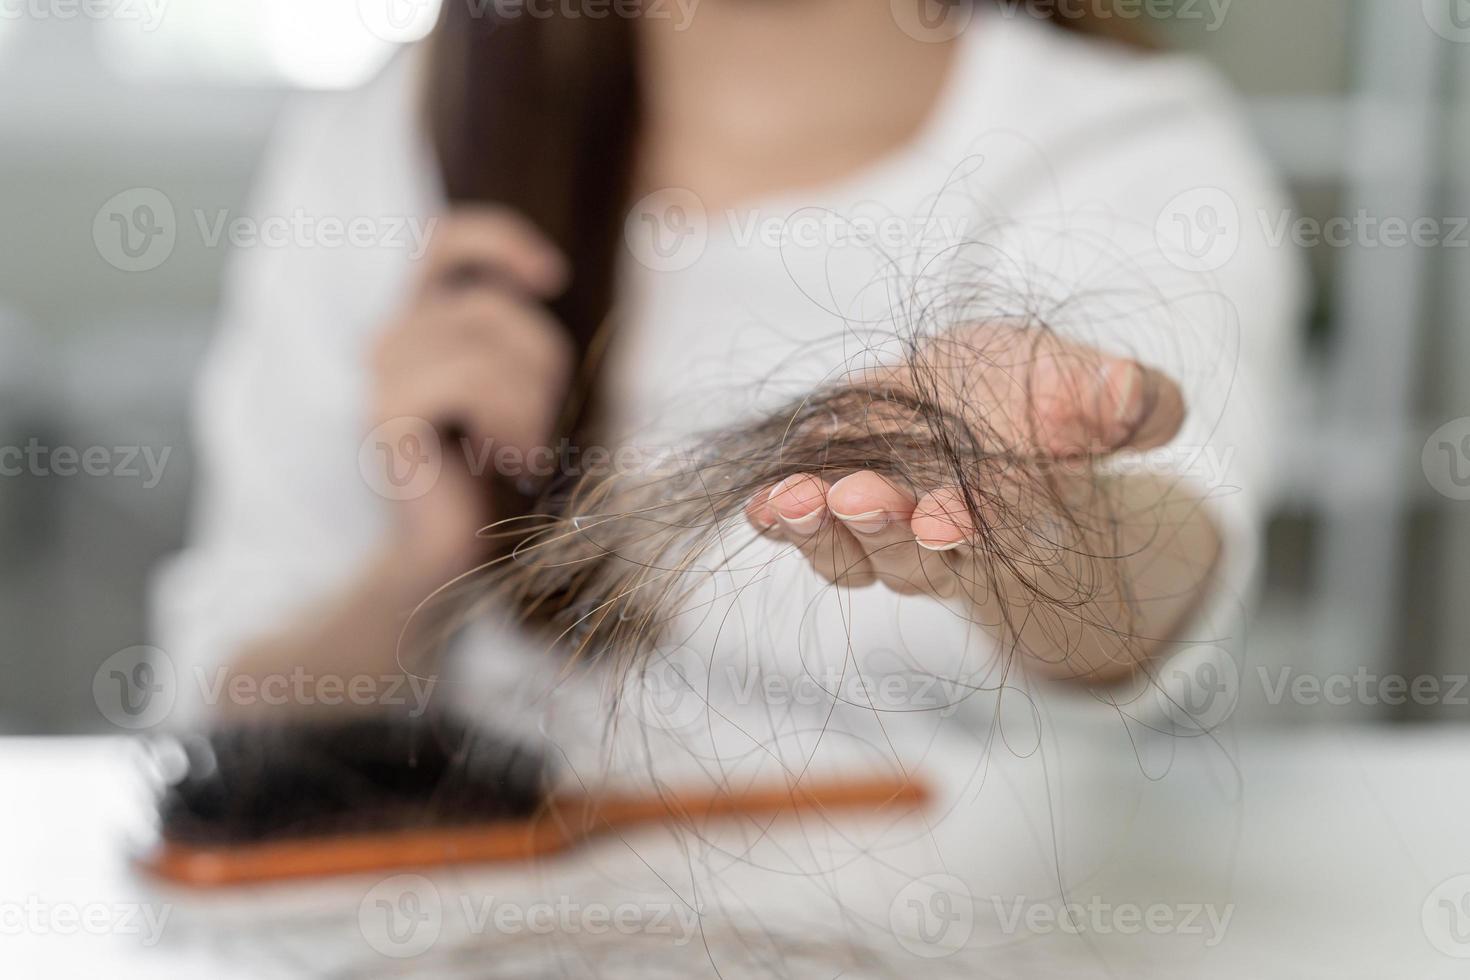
297 43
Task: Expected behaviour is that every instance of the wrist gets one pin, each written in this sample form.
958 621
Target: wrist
402 577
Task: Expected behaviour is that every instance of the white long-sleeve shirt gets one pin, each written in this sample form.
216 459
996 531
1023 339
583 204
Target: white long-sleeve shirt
1117 193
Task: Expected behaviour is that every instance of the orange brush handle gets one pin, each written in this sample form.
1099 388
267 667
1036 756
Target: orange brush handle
593 812
208 866
567 821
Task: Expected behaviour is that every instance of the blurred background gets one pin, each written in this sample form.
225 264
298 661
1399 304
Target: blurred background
1364 104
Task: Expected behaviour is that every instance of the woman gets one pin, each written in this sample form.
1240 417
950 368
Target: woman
543 134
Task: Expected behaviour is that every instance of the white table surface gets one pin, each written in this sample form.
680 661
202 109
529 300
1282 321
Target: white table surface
1329 852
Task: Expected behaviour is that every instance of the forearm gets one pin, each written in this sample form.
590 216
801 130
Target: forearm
352 652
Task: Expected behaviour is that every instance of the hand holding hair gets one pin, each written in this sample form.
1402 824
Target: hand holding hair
477 356
1052 406
968 472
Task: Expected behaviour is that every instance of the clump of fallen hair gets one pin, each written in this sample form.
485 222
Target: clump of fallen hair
611 559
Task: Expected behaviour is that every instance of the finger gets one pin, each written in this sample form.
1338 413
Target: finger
878 513
524 333
1149 406
521 333
942 521
519 416
868 504
936 548
800 507
492 242
1056 396
1087 403
762 517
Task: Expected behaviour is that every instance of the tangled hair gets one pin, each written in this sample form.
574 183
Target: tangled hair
610 558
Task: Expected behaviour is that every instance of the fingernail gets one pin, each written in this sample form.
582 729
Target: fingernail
802 524
939 546
778 488
1128 411
870 523
805 525
759 516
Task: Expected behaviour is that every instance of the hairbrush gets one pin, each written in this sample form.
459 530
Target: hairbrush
309 799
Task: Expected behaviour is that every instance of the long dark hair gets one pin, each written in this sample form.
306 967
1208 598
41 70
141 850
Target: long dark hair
542 114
